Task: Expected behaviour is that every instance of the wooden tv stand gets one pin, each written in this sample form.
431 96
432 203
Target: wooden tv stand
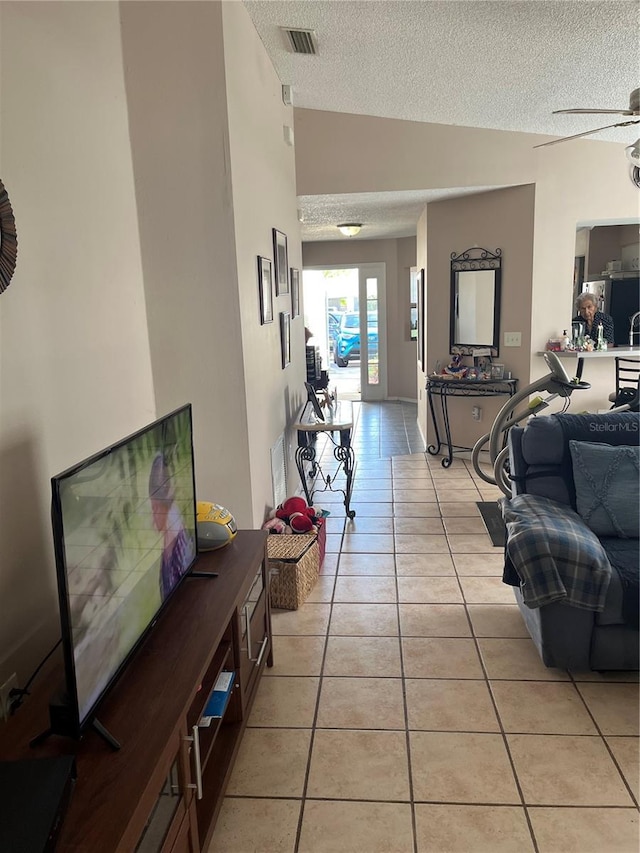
155 791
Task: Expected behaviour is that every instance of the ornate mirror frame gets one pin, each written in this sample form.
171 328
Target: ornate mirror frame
473 261
8 240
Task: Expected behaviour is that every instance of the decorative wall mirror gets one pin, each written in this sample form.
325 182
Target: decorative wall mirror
8 240
476 276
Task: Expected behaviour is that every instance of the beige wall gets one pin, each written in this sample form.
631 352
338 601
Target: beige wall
186 224
343 153
262 171
136 285
74 348
501 219
398 256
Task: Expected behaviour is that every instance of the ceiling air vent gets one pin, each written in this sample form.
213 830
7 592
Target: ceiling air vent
301 41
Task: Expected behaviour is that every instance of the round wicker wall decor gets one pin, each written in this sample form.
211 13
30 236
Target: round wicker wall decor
8 240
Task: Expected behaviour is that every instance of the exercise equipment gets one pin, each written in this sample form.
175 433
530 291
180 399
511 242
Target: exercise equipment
556 383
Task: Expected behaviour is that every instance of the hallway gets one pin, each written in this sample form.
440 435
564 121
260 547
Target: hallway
408 710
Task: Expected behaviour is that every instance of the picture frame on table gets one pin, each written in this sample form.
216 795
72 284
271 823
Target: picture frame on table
295 293
265 290
483 363
285 338
497 371
281 262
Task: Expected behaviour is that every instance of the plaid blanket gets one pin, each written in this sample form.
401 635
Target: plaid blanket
556 556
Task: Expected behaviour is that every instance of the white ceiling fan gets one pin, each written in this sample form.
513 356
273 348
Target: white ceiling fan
632 150
633 110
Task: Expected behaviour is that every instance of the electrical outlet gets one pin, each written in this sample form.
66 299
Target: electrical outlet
476 413
513 339
5 690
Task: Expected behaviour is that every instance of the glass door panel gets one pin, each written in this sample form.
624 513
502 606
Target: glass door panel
372 337
372 350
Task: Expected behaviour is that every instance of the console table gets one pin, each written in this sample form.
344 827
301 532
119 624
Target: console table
443 387
337 418
163 789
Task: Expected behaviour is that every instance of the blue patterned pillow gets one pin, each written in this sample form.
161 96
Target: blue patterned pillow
607 481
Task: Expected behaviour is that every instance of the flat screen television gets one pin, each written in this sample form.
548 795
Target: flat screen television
124 528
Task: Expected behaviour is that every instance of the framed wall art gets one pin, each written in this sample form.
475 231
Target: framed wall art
421 320
281 262
295 293
285 337
414 279
265 289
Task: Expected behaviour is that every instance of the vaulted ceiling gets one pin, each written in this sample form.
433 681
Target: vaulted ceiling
475 63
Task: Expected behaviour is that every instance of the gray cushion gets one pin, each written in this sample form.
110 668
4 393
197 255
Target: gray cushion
607 482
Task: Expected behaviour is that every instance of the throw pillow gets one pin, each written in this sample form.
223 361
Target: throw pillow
607 481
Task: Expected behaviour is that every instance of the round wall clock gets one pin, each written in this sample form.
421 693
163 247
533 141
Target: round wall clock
8 240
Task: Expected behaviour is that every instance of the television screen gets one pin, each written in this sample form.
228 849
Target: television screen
124 524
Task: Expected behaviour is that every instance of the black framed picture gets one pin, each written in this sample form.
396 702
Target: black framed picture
285 337
421 317
281 262
295 293
265 288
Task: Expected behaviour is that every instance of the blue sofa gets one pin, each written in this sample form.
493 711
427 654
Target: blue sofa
597 633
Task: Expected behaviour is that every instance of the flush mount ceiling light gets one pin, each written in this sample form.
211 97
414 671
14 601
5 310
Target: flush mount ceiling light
350 229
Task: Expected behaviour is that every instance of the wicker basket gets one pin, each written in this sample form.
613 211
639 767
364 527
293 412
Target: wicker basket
293 568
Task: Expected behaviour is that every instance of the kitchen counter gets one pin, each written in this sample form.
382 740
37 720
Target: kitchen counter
579 356
612 352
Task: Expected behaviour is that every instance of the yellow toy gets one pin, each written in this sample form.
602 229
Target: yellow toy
216 526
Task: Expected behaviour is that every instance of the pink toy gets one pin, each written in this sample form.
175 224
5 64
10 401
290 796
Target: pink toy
275 525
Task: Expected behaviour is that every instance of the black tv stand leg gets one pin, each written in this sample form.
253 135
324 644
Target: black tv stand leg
113 743
95 724
38 739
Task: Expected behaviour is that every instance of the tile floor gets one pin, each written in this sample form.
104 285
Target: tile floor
407 710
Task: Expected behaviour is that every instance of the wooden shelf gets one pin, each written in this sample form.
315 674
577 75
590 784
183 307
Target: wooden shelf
153 707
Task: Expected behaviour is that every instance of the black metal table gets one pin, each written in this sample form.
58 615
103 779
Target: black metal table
335 419
444 387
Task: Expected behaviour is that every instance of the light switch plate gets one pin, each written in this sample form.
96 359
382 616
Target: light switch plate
513 339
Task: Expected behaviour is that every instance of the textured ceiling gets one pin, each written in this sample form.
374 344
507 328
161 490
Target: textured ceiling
384 214
500 65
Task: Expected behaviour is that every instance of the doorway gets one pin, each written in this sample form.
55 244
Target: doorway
344 307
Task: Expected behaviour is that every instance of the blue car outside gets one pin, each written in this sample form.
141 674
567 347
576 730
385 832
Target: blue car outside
333 325
347 343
